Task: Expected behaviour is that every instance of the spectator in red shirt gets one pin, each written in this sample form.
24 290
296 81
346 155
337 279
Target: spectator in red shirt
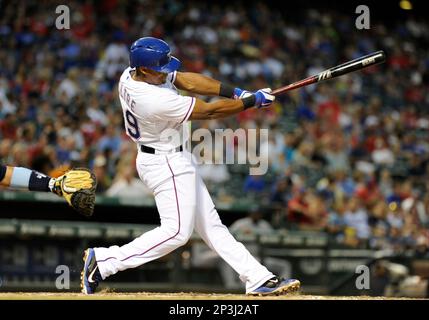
8 127
306 210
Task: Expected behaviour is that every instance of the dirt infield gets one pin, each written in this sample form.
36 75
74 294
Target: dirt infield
170 296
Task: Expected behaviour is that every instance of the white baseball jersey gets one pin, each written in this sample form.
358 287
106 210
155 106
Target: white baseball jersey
182 199
153 113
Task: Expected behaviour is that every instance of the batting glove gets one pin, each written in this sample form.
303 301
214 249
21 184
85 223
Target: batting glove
264 98
240 93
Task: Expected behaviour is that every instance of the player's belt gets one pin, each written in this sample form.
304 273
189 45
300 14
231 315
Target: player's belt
151 150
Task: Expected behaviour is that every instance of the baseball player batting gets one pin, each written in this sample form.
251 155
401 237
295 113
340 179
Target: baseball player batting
151 105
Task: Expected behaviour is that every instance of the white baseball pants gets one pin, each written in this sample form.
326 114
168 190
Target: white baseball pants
184 203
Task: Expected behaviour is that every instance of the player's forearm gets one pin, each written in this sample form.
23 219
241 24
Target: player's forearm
215 110
197 83
23 179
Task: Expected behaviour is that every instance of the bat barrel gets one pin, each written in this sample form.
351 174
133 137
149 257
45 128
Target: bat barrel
356 64
347 67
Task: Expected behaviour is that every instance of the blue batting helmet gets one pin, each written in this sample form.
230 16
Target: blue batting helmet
154 54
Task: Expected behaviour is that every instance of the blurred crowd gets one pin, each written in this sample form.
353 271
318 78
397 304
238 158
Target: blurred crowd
349 156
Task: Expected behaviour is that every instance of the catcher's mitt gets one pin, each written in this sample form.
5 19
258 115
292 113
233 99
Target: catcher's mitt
77 186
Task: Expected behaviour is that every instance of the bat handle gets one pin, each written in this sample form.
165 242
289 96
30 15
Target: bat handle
295 85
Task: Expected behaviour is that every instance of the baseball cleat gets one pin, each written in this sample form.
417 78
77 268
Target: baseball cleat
276 286
90 276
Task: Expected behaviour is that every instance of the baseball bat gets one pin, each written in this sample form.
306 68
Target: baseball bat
347 67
